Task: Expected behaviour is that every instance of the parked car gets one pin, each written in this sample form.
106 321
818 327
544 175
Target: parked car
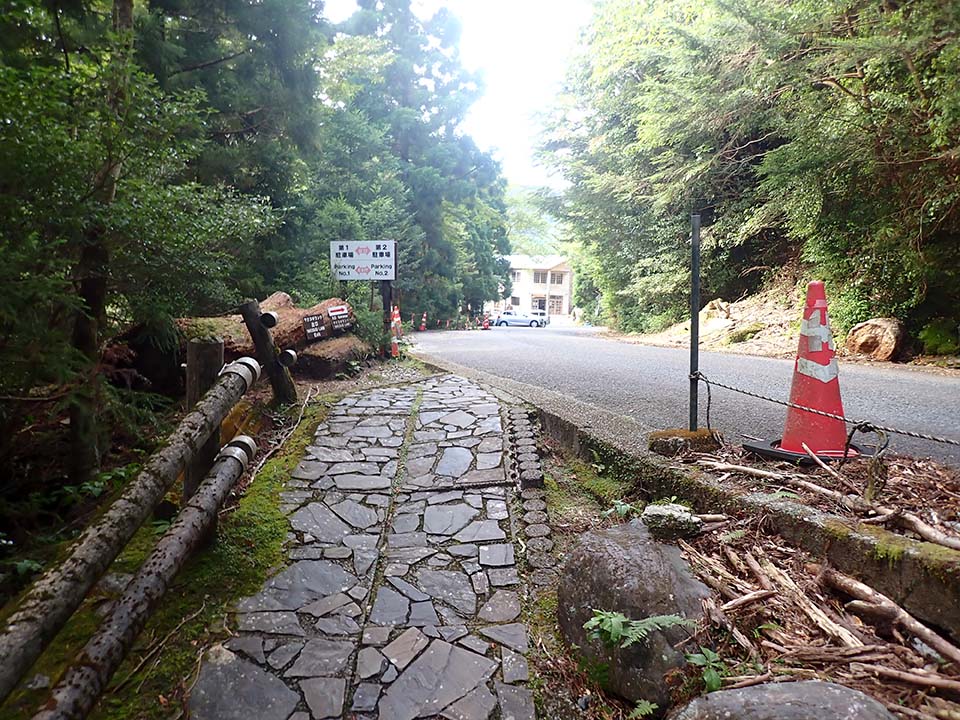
514 317
542 316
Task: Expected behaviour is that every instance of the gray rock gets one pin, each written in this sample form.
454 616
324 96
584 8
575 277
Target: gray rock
804 700
337 625
298 585
443 497
452 633
364 468
450 586
363 560
321 657
251 646
447 519
324 697
331 454
514 667
454 462
504 606
623 569
366 696
535 517
496 555
514 635
486 461
468 550
282 656
442 675
270 623
230 688
377 636
497 510
503 577
326 605
475 705
407 540
409 590
309 470
405 648
669 521
537 530
515 703
422 614
369 663
540 544
480 531
390 608
363 483
480 583
318 520
406 523
359 516
459 418
472 642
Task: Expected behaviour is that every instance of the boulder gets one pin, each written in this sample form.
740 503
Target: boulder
623 569
670 521
879 338
805 700
673 442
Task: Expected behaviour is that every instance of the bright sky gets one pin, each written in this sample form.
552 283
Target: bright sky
522 48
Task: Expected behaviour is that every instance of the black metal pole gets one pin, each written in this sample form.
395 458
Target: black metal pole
386 296
694 319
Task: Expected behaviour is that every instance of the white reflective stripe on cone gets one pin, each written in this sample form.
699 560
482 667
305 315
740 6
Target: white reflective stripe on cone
817 333
823 373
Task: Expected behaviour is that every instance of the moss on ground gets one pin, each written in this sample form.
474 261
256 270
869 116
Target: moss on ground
194 611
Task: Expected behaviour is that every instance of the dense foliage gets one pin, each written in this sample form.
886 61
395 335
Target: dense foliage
168 158
810 131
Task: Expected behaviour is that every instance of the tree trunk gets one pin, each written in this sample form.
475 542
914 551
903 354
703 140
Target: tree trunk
284 391
54 597
91 278
83 683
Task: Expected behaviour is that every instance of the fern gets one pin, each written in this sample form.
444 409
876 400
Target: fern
644 708
615 628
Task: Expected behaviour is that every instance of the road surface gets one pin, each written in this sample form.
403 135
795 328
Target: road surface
650 384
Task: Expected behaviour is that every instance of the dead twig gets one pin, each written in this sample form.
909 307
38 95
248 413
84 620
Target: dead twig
747 599
922 679
833 473
861 591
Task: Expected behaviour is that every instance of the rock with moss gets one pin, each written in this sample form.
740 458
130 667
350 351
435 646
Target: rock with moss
879 338
670 521
805 700
673 442
624 569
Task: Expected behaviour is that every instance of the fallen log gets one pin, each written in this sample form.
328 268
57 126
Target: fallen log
284 391
288 333
54 597
860 591
80 687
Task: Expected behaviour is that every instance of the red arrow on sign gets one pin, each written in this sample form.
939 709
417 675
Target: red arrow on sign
363 269
363 250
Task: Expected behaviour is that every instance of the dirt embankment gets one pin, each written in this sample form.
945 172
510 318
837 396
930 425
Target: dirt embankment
765 324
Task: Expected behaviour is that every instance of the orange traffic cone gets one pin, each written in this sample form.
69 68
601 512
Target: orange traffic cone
423 322
816 386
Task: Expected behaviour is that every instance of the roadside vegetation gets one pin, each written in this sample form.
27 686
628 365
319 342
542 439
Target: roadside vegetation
810 132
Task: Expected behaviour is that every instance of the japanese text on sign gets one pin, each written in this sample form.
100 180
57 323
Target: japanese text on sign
314 328
364 260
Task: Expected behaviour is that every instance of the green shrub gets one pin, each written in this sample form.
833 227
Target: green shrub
747 332
939 337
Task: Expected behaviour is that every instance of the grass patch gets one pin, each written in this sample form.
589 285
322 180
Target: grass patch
249 547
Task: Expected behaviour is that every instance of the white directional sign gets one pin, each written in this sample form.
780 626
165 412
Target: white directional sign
364 260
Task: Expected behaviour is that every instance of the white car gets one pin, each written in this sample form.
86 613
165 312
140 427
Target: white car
513 317
542 316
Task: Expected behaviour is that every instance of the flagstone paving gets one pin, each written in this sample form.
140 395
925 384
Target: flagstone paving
401 599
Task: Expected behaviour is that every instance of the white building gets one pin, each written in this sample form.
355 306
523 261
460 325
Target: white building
540 282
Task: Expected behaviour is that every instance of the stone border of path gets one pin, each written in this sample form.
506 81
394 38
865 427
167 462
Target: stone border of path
922 577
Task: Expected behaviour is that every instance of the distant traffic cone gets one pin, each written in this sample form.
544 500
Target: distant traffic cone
438 323
423 322
816 386
448 325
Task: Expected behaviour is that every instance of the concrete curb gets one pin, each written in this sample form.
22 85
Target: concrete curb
923 577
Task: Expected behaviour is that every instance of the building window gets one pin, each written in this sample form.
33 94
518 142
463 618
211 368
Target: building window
539 278
515 275
514 300
556 278
538 303
556 304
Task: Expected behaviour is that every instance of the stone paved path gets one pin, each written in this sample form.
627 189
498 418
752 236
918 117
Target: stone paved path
402 597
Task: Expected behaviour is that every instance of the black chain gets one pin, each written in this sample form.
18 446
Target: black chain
858 425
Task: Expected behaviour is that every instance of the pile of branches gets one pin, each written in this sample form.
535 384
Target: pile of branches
776 616
918 498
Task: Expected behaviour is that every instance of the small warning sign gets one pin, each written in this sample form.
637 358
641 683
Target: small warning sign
314 328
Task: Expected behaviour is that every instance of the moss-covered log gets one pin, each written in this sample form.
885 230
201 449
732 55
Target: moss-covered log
54 597
82 684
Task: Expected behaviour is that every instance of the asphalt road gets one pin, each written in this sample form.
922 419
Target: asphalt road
650 384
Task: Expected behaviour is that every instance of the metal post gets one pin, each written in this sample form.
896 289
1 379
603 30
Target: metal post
694 319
